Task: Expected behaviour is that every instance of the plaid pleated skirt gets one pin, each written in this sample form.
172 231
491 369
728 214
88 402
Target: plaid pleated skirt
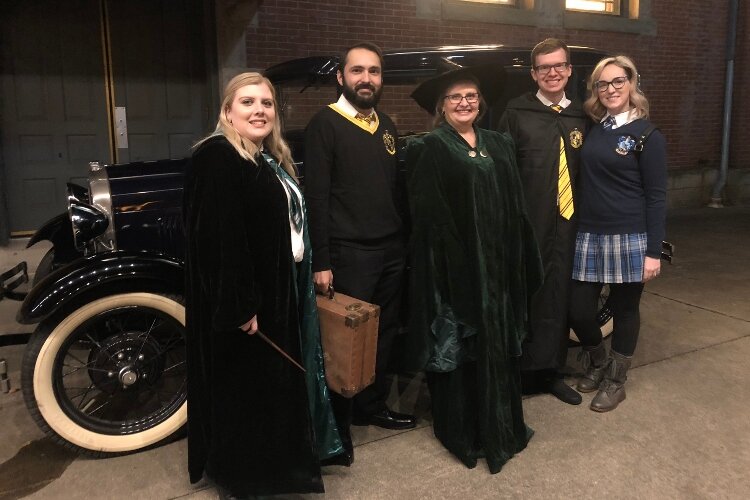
609 258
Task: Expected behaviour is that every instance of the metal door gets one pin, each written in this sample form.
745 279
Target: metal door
54 111
159 76
77 73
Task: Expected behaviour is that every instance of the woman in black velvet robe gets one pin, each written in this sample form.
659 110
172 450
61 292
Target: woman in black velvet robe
258 424
474 263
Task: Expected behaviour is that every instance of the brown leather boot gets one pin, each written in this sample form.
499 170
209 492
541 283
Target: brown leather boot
612 388
594 361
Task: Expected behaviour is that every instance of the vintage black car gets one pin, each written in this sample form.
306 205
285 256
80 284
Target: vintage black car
105 370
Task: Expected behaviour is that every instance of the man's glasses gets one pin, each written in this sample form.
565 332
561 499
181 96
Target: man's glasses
617 83
543 69
471 98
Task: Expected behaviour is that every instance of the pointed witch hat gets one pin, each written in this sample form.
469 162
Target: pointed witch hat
490 77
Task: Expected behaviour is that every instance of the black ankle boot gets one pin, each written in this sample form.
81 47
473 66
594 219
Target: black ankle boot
612 389
594 361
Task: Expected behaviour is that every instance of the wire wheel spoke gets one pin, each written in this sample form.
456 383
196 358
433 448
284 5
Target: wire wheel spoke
165 370
123 370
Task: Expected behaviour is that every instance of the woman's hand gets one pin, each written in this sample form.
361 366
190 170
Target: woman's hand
251 326
651 268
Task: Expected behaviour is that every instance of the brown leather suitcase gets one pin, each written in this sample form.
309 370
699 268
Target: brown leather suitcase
349 335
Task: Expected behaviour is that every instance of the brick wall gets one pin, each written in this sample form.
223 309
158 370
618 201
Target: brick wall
683 65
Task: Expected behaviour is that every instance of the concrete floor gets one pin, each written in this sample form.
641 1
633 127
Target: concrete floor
683 431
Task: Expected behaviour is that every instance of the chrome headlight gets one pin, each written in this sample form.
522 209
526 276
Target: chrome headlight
90 213
88 223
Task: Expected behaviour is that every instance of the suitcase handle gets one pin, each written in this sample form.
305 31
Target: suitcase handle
356 306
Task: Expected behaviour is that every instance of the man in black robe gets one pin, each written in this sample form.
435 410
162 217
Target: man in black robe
356 223
542 124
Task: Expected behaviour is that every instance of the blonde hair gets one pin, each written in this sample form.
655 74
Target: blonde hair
593 106
274 143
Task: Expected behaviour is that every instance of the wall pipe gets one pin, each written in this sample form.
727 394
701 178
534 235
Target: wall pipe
721 180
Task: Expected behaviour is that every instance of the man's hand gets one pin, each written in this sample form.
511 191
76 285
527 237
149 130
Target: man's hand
251 326
323 280
651 268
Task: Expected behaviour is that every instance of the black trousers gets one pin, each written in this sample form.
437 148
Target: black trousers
374 275
624 299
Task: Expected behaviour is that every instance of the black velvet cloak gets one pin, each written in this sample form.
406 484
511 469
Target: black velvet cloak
250 427
474 264
536 130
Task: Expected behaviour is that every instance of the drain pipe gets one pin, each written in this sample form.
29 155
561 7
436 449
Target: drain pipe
721 180
4 381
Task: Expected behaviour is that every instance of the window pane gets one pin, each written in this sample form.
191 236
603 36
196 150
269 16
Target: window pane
603 6
504 2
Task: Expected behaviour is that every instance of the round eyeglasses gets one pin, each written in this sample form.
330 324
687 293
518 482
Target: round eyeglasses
617 83
471 98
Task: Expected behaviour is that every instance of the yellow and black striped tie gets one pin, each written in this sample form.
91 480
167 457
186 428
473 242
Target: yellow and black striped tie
367 119
564 190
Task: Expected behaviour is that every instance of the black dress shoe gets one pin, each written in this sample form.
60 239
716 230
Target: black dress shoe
562 391
387 419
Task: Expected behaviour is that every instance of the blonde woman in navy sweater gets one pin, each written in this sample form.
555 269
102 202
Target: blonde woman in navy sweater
621 225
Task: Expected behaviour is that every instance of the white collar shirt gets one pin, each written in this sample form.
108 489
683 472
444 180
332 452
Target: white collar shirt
348 108
622 119
564 102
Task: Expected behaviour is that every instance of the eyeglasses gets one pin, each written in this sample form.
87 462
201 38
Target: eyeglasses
471 98
543 69
617 83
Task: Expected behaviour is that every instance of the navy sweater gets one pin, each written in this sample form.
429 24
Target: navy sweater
624 193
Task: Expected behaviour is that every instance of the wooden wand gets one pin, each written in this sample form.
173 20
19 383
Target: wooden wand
281 351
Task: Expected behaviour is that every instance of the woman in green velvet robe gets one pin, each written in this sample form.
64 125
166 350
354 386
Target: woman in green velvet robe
258 424
474 265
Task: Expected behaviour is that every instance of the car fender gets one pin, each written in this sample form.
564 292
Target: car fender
59 231
88 278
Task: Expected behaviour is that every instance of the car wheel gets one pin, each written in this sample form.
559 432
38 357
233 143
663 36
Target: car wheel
603 317
109 377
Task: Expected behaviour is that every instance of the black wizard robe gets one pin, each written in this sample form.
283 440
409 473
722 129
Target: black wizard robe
249 415
536 130
474 264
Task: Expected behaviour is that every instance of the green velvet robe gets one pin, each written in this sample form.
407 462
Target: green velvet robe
326 431
474 264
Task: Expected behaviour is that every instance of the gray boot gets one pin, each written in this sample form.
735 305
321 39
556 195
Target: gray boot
612 389
594 360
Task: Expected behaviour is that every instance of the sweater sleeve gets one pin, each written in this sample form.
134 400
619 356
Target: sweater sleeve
319 157
653 167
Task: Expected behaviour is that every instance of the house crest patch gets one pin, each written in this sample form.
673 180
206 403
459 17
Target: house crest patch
390 143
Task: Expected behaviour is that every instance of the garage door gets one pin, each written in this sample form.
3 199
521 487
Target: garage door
94 80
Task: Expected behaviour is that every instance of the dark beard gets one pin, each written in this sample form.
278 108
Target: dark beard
359 101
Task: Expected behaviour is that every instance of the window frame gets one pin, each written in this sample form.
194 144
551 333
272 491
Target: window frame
619 7
635 15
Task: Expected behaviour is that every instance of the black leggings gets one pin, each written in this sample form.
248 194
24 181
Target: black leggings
624 301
